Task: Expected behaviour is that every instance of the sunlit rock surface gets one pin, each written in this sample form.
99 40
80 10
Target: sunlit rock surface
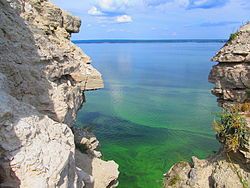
42 79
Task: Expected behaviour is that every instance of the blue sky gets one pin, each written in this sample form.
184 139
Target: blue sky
157 19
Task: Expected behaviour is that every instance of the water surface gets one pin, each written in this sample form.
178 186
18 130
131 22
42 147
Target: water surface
156 108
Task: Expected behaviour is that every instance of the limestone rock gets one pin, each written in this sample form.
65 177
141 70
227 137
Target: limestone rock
37 150
49 71
86 142
216 171
71 23
237 49
104 173
231 77
232 82
42 79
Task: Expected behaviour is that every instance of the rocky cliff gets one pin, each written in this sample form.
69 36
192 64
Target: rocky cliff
229 167
231 75
42 79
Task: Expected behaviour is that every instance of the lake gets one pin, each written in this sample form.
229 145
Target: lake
156 108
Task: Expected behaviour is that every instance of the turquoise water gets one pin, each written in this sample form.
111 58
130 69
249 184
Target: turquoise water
156 108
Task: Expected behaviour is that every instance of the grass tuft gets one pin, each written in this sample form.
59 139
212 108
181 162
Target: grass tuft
230 126
233 36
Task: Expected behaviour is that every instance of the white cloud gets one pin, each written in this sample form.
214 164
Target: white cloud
199 2
115 5
182 3
111 5
93 11
123 19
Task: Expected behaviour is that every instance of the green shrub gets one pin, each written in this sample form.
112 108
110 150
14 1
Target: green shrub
230 127
233 36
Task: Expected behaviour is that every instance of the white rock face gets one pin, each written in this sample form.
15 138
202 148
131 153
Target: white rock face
42 79
47 70
231 75
37 151
237 49
216 171
102 173
232 83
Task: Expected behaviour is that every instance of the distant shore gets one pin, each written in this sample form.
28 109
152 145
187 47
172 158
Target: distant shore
151 41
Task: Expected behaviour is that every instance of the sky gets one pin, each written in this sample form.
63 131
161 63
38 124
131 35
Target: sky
157 19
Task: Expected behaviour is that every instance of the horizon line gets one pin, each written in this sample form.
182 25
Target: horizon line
77 41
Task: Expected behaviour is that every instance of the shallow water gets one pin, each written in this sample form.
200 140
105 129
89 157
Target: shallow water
156 108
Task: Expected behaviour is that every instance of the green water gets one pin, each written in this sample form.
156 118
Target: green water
156 108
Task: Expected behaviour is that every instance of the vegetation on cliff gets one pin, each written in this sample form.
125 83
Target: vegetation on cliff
230 127
232 131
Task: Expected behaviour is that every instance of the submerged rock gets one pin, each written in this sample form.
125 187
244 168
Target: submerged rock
42 79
